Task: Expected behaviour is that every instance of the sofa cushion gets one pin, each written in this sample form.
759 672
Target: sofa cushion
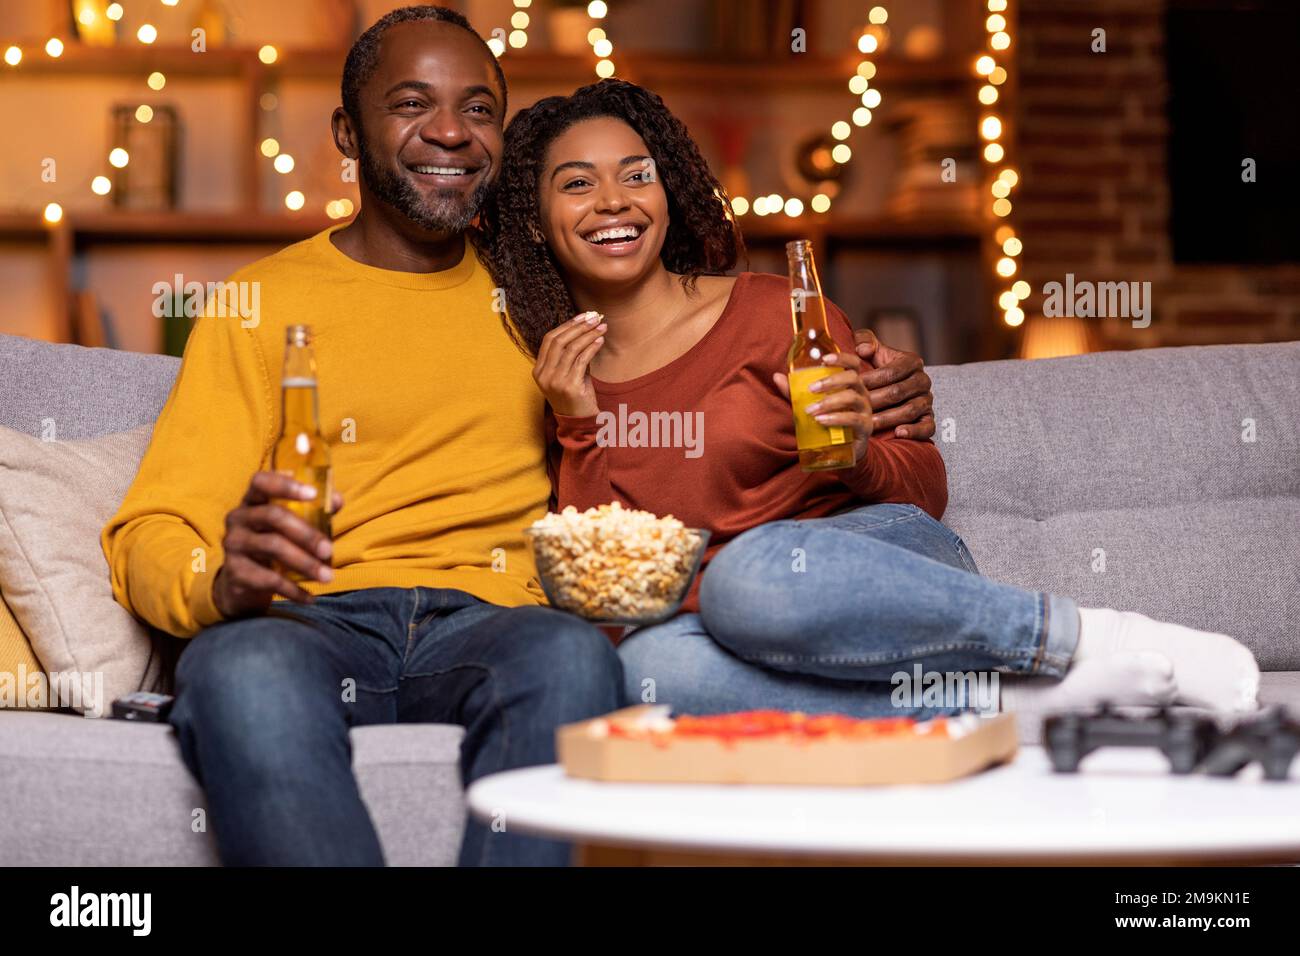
17 660
55 496
83 392
142 809
1165 481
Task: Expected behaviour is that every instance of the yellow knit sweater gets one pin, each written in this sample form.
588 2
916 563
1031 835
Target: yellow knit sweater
432 416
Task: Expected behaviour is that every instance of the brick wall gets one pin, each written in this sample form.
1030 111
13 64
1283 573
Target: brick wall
1093 198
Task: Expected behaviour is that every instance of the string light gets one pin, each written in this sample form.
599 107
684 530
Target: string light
13 56
53 213
601 44
119 157
1001 186
147 33
54 47
101 185
143 113
295 200
113 11
840 154
156 81
284 163
268 54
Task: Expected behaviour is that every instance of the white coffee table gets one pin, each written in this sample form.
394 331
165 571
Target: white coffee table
1123 807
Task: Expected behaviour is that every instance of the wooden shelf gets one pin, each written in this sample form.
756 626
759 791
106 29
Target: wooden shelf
85 229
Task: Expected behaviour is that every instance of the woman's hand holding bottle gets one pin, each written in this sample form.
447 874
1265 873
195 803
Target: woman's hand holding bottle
845 400
561 370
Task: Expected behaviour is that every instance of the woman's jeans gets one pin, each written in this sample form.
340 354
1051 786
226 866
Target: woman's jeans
857 614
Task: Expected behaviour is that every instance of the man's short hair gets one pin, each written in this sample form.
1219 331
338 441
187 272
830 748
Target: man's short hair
363 58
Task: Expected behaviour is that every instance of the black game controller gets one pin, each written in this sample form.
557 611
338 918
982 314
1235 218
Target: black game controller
1189 741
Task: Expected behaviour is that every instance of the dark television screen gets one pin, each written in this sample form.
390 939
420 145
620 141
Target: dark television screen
1233 95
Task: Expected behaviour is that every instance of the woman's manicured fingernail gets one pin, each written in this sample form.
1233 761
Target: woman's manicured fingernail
814 408
307 491
824 419
602 327
325 574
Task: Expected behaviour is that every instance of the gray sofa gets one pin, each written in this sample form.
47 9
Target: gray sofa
1139 455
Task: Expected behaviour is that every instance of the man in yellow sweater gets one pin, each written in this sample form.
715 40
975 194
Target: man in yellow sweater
425 606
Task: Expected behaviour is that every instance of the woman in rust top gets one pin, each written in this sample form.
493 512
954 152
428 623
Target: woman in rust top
667 393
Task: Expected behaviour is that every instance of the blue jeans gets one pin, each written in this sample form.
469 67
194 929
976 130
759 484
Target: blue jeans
820 615
262 712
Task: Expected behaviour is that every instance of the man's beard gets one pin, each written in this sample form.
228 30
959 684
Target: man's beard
446 210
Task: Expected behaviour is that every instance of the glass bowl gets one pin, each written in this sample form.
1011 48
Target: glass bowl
661 602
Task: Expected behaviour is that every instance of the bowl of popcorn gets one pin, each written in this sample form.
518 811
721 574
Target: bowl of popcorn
616 565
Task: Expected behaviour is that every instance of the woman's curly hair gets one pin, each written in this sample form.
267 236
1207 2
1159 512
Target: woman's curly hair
701 237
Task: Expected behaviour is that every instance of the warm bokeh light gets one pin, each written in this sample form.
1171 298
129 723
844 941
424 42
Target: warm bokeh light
794 207
1000 41
760 206
993 153
119 157
295 200
991 127
519 20
1002 207
878 15
1007 300
156 81
13 56
144 113
867 43
101 185
268 54
518 39
1021 289
113 11
605 69
1000 189
820 203
270 147
1006 266
1003 233
53 212
867 70
998 76
54 47
997 6
1009 176
595 34
1013 317
984 65
996 23
988 95
597 9
740 205
1012 246
841 153
857 85
147 33
841 130
861 116
496 46
871 99
284 163
603 48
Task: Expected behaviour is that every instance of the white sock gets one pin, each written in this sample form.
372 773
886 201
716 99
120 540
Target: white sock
1126 678
1210 670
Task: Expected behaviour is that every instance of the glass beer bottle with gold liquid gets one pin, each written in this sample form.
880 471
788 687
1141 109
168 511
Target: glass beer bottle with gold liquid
300 451
821 447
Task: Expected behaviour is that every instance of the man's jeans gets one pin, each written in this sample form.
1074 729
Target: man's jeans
263 712
819 615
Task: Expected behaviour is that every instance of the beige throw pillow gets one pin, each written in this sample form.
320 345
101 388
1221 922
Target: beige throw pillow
55 497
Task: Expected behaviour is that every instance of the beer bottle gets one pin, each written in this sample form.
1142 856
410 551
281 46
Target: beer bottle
821 448
300 451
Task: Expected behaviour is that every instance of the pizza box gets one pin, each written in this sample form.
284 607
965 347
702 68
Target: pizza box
636 745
